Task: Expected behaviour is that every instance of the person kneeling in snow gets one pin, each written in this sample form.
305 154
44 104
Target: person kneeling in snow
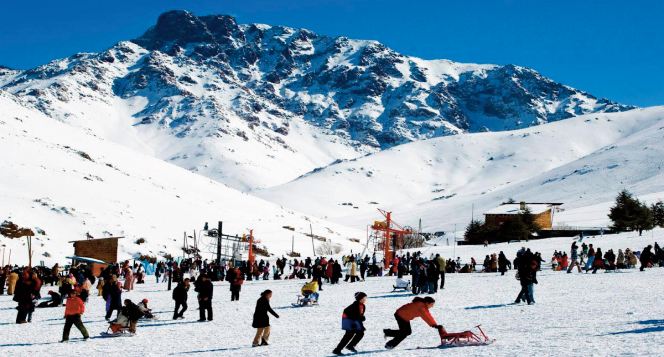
418 308
73 311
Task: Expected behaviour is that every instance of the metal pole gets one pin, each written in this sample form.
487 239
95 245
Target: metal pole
292 249
311 231
184 244
454 257
219 226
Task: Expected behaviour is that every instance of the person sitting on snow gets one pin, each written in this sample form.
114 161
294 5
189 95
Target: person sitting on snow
147 312
401 284
127 317
310 290
56 300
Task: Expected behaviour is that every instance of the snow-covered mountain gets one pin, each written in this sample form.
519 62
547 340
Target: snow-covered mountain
66 182
256 106
582 162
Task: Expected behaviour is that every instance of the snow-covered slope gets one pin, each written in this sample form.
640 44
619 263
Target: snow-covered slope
255 106
67 182
581 162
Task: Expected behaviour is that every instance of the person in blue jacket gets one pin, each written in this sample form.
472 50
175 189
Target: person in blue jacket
352 322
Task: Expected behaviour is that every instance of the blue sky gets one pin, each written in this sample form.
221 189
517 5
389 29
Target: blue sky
612 49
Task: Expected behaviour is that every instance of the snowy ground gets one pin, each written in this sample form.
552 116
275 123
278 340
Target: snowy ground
576 314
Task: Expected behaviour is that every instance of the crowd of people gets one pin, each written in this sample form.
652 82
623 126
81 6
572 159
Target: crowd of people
73 286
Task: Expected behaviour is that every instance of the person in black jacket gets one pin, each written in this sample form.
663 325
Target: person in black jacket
204 289
352 321
180 294
262 320
24 296
132 312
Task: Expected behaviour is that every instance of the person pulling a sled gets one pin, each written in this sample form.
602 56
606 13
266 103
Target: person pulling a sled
262 320
73 312
418 308
352 321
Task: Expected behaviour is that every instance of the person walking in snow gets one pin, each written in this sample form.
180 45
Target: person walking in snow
261 321
574 258
180 295
502 263
204 288
352 321
73 312
419 307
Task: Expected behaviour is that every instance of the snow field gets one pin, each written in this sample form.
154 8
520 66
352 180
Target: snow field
575 314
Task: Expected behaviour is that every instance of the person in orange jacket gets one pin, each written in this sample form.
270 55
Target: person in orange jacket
73 311
406 313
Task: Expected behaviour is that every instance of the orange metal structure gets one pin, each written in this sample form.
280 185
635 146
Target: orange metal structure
252 258
386 227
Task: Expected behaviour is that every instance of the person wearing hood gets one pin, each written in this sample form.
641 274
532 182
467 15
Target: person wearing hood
352 321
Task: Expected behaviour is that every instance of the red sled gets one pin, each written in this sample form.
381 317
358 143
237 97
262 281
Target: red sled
465 338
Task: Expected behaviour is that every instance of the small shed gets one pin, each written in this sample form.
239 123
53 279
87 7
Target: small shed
542 213
105 249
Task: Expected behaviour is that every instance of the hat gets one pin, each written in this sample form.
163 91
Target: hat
360 295
145 301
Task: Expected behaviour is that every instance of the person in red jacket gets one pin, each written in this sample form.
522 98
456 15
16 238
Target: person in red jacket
73 311
418 308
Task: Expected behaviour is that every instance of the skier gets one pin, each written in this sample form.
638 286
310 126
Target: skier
646 258
352 321
73 312
262 320
418 308
180 297
204 289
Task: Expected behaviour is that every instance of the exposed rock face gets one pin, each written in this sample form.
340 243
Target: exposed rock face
207 77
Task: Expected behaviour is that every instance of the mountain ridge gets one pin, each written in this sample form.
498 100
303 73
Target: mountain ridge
232 101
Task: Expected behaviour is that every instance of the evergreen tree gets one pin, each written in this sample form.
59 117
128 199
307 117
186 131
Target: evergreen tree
645 219
474 232
630 214
528 220
657 210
